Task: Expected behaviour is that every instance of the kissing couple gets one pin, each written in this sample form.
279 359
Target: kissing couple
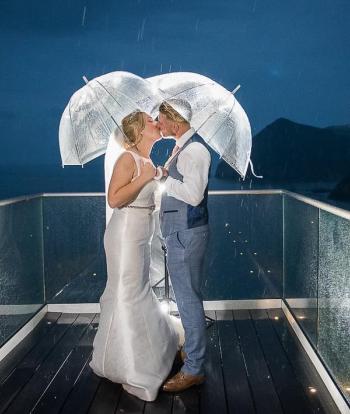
136 341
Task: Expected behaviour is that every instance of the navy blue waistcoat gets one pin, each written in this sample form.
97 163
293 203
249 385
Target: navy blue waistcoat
176 215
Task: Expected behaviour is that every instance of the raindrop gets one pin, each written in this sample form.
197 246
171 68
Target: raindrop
254 6
197 25
141 31
83 18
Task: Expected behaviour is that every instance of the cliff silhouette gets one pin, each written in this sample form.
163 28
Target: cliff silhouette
294 155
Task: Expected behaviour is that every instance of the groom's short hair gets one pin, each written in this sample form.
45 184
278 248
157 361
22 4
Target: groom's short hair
173 115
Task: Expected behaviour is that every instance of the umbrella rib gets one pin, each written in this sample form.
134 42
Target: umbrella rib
125 96
188 89
232 134
102 86
102 102
75 142
227 115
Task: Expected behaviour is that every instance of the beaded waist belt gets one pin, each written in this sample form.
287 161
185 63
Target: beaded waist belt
142 207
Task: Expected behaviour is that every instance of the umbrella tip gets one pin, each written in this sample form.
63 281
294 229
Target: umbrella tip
85 79
236 89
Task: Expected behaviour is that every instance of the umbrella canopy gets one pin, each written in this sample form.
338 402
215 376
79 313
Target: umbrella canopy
95 110
216 114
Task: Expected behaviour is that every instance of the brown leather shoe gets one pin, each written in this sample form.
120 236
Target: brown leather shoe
182 381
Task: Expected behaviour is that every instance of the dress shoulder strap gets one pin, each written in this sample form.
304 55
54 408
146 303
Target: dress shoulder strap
137 160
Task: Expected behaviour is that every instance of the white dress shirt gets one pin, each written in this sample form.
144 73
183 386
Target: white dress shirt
193 164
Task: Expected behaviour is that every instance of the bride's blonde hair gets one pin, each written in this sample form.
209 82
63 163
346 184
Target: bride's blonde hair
132 126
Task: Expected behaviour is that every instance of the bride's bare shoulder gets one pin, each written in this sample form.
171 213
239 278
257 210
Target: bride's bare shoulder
125 159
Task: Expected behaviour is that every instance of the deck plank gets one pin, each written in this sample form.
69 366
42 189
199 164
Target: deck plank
129 404
11 361
254 364
36 386
321 401
239 396
264 393
212 392
162 405
290 392
187 401
28 366
106 398
55 394
83 392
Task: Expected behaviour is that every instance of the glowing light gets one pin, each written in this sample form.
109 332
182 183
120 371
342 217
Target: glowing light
165 306
301 317
312 390
347 389
276 318
161 187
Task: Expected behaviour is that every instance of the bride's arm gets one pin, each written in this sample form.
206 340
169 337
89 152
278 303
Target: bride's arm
122 190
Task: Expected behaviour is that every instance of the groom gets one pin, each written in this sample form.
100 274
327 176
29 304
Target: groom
184 226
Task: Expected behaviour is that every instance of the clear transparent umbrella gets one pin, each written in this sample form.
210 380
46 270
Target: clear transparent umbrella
217 116
95 110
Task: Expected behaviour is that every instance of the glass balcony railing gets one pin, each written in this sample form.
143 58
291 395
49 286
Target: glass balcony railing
263 245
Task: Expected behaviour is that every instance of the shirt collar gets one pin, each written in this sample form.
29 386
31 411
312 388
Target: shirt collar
185 137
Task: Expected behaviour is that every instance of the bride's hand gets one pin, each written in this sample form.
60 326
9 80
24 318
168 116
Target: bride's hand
147 171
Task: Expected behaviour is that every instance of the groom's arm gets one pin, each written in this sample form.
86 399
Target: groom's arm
193 164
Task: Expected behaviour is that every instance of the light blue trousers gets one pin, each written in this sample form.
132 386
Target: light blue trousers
186 250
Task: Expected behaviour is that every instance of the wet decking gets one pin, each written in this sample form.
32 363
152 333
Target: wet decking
254 365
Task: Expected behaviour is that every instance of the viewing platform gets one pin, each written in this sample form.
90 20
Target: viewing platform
276 285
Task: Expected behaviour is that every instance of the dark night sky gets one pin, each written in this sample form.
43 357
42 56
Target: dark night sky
291 58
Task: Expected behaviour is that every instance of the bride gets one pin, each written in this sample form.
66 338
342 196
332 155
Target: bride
136 342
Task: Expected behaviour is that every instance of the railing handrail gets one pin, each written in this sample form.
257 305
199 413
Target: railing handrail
337 211
18 199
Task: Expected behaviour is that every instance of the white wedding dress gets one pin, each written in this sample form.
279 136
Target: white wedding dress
136 341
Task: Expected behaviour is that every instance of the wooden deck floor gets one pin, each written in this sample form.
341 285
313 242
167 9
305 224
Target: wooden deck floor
254 365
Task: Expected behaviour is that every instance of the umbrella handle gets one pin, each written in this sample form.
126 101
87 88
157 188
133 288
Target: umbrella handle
252 170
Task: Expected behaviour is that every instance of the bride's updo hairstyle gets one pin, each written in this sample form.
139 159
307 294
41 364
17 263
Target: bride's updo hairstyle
132 126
